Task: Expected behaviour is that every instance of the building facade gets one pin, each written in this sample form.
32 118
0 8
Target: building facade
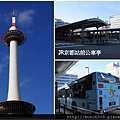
115 21
113 68
59 22
61 80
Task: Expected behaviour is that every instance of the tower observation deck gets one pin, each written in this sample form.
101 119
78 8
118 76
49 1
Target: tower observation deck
14 106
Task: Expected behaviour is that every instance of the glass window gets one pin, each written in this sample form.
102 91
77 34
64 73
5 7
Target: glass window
61 93
108 78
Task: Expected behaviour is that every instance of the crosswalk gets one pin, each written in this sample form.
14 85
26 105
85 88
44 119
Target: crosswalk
66 44
63 43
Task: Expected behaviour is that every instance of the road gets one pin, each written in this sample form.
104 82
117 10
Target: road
114 112
79 51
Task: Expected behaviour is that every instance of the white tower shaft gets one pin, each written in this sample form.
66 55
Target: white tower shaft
13 92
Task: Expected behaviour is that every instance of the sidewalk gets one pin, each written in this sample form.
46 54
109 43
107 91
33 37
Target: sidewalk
57 112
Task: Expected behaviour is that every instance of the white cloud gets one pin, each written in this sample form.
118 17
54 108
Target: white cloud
26 17
6 58
7 18
3 63
23 18
1 67
24 82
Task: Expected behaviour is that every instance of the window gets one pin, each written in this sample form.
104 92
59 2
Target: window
107 78
88 82
61 93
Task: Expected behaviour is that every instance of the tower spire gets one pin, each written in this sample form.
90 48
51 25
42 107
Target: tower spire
13 20
13 27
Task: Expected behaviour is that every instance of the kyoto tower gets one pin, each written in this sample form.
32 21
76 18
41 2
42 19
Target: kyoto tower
14 106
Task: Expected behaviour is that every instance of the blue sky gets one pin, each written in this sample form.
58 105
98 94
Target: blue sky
36 58
72 11
94 66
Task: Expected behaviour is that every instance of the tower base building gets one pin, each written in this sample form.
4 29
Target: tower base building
16 108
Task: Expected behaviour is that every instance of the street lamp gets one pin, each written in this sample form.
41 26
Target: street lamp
88 69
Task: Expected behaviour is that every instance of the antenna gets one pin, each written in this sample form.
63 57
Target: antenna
13 27
13 12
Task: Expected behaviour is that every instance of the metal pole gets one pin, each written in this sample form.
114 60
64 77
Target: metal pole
64 108
88 69
82 34
59 106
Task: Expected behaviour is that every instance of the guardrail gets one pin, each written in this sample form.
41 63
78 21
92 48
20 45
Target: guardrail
76 110
64 106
